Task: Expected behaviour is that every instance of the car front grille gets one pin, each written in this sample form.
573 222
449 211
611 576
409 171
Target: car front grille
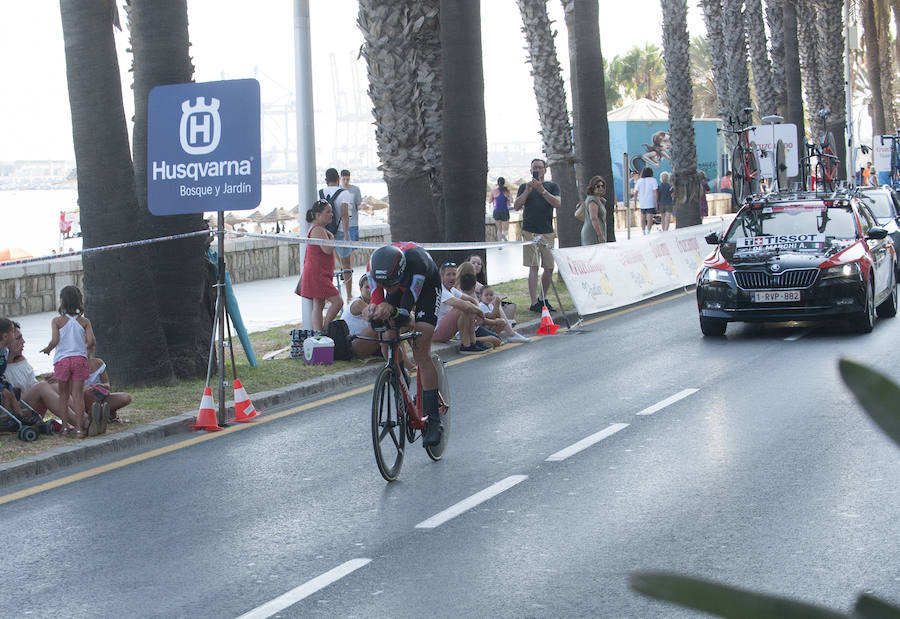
756 280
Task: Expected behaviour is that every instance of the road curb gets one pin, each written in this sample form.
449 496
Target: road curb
149 434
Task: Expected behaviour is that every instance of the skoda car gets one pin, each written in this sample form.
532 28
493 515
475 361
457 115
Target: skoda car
885 206
799 257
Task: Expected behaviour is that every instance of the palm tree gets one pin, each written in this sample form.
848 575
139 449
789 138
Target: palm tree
556 130
831 65
159 42
118 288
810 55
775 20
464 152
883 27
402 52
873 65
735 57
677 44
792 74
702 79
592 138
640 72
712 16
759 58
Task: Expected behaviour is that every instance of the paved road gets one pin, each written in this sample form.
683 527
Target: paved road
766 476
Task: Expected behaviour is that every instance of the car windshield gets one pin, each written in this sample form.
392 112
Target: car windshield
879 202
835 222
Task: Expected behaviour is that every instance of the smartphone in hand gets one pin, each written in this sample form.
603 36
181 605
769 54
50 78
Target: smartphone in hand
534 174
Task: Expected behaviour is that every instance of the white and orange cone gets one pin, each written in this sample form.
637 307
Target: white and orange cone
243 407
206 416
547 327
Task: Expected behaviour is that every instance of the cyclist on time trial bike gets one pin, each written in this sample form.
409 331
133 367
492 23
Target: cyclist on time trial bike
406 288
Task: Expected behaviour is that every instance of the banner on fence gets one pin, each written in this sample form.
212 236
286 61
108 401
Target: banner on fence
609 275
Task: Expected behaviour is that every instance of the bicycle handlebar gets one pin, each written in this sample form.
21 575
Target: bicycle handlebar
410 335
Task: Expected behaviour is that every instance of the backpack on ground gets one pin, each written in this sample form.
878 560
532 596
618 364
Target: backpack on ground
335 222
338 331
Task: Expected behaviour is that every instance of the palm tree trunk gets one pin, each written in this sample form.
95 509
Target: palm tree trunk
464 153
792 73
873 65
677 45
883 25
736 57
712 16
759 58
592 138
775 20
118 288
159 42
810 53
831 65
556 131
400 51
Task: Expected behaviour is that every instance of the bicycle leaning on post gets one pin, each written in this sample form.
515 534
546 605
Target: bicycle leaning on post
397 413
744 165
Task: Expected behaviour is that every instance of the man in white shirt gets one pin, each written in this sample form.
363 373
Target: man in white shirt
457 313
342 201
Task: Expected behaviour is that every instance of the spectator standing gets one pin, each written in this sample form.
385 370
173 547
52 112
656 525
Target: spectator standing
341 200
537 199
72 337
725 184
666 203
501 197
647 190
318 267
593 230
352 231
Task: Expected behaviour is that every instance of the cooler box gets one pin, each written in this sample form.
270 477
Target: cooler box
318 350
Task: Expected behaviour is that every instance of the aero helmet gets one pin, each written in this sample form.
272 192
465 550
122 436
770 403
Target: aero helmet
387 265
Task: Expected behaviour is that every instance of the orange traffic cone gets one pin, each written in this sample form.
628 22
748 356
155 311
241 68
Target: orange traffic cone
243 407
547 327
206 417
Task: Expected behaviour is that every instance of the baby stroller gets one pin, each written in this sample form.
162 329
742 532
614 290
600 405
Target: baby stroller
29 427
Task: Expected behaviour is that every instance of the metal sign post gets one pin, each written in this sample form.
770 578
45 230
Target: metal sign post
203 154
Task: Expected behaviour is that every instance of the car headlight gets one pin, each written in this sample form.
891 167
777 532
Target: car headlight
717 275
851 269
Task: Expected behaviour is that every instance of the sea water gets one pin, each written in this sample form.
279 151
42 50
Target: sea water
31 216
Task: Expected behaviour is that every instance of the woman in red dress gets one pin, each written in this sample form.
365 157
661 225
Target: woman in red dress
318 268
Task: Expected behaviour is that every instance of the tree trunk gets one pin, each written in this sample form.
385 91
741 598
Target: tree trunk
118 288
735 57
593 137
792 74
759 58
677 45
775 19
831 65
159 42
712 16
810 55
464 152
403 62
873 65
556 130
886 62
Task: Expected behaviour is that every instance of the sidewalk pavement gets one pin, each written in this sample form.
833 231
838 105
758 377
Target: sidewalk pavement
147 435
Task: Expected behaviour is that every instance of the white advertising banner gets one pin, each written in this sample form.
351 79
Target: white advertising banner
610 275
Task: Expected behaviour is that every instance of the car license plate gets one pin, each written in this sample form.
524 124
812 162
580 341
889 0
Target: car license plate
776 296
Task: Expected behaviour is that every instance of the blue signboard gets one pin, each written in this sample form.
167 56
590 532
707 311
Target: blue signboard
203 147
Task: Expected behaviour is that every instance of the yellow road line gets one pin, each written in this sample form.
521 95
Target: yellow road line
92 472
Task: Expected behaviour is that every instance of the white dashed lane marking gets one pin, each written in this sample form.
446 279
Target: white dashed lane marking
670 400
584 443
474 500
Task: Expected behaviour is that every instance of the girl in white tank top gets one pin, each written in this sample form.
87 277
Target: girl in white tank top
72 337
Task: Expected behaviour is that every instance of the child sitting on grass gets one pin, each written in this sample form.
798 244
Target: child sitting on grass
490 305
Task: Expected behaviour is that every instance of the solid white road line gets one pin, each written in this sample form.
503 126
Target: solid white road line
467 504
584 443
670 400
305 590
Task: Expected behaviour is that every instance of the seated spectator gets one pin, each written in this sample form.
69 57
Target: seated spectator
465 277
457 313
8 398
491 306
358 325
480 278
97 389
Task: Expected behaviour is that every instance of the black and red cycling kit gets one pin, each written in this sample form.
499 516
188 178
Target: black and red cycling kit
419 294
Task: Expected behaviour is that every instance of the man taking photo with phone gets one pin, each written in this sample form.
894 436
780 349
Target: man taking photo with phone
538 198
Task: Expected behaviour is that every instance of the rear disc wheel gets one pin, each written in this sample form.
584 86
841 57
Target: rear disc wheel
436 452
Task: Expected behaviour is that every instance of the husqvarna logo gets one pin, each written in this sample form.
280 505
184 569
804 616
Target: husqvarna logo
201 126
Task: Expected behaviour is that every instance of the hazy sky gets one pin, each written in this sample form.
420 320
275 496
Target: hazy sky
237 39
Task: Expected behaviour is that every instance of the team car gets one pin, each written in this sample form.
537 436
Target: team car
885 205
800 257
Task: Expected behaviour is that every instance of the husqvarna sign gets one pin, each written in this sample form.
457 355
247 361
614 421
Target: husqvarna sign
203 147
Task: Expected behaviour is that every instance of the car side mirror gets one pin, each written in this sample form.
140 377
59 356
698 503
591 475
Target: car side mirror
877 233
713 238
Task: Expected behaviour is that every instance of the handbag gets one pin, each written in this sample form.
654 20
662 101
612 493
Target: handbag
579 211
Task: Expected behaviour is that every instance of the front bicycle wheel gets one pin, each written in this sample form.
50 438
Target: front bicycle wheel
739 181
436 452
752 166
388 424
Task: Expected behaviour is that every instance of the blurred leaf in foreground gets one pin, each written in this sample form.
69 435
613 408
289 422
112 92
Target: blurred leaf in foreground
878 395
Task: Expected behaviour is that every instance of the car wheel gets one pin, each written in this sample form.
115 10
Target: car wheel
888 307
865 321
712 326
